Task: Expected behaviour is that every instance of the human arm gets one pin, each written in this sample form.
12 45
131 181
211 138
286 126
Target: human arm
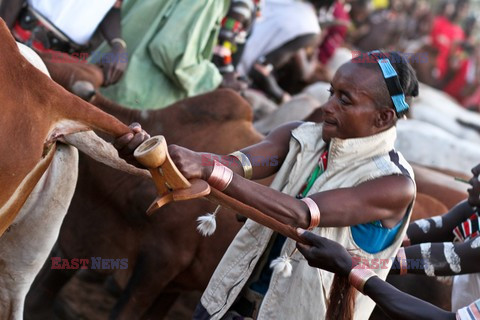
262 71
9 11
273 148
400 305
385 198
111 29
305 64
442 259
439 229
331 256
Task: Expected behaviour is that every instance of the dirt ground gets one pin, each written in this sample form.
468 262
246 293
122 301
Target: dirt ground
82 300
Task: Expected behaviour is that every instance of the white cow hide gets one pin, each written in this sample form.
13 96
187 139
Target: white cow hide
426 144
439 109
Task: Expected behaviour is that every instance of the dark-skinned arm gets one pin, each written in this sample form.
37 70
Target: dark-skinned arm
111 29
400 305
376 200
331 256
443 259
383 199
111 26
9 11
273 148
439 229
266 156
262 71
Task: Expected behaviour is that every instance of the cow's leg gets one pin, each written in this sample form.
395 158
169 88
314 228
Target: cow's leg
148 280
27 244
48 283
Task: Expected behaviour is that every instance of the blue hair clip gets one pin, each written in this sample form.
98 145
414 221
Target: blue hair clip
392 81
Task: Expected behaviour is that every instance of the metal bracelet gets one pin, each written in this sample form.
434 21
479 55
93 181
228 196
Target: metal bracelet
246 164
119 41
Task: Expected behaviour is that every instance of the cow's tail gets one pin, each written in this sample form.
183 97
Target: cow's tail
100 150
341 303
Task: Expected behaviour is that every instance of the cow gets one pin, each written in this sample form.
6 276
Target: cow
37 174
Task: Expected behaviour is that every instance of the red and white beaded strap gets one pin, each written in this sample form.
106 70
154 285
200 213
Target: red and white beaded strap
359 276
314 213
221 176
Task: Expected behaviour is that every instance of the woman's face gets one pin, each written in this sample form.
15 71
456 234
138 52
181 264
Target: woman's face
351 111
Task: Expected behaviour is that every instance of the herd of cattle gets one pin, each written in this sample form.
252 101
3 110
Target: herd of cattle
92 204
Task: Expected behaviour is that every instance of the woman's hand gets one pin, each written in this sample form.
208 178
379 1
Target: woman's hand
113 65
325 254
474 191
127 143
190 163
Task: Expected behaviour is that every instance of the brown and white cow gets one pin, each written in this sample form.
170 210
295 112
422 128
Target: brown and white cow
37 174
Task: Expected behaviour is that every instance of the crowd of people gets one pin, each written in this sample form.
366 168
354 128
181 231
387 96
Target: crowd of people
340 178
274 46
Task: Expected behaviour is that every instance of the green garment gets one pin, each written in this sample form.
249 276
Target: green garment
170 44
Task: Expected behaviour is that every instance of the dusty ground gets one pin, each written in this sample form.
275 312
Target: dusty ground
82 300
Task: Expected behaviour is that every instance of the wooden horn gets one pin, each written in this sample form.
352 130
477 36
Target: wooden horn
170 183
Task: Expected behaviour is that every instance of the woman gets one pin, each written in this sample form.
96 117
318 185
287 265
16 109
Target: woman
344 168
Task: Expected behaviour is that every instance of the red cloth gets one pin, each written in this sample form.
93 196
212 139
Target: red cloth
444 34
335 35
459 81
24 36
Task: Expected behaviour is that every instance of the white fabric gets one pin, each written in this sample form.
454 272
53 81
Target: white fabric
350 163
466 289
281 22
78 19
